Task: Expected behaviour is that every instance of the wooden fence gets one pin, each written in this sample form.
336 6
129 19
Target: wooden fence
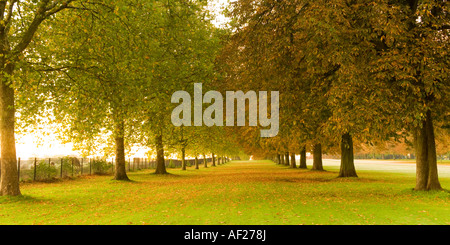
43 169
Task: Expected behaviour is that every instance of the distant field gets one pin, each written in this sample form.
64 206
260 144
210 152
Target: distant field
444 162
240 192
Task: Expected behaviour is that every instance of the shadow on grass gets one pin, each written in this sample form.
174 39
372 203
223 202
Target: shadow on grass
310 179
168 175
128 181
444 193
21 199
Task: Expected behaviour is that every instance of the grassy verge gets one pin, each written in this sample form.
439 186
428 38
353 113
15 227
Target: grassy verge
256 192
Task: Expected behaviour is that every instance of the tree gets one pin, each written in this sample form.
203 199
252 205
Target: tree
20 22
103 69
418 85
190 44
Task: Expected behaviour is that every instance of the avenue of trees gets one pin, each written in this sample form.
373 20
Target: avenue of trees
105 70
349 73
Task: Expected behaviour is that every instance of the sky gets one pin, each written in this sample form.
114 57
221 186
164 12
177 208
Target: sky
44 143
217 6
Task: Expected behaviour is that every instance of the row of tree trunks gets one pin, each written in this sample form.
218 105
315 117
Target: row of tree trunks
283 159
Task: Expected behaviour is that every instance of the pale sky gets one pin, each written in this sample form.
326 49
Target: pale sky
217 6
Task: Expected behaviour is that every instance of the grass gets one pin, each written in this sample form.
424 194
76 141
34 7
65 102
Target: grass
238 193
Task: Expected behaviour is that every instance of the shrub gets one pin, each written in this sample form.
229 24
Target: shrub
100 166
67 166
44 170
171 164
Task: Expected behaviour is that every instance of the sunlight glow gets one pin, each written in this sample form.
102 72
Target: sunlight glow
44 143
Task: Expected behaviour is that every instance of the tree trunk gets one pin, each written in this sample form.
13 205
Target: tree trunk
196 162
160 164
278 158
282 159
213 160
426 162
347 160
183 158
120 171
205 160
317 157
9 184
303 158
286 157
293 164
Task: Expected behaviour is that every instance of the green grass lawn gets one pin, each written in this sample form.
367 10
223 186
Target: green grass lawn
238 193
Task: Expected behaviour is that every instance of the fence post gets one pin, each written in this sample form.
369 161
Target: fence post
34 174
18 169
61 172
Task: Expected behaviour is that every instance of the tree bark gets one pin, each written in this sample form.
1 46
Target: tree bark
433 178
282 159
205 160
293 164
317 157
213 160
183 158
426 162
279 159
303 158
347 168
120 172
160 164
196 162
9 184
286 157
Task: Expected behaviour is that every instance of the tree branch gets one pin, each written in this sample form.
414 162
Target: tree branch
41 14
10 10
51 10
